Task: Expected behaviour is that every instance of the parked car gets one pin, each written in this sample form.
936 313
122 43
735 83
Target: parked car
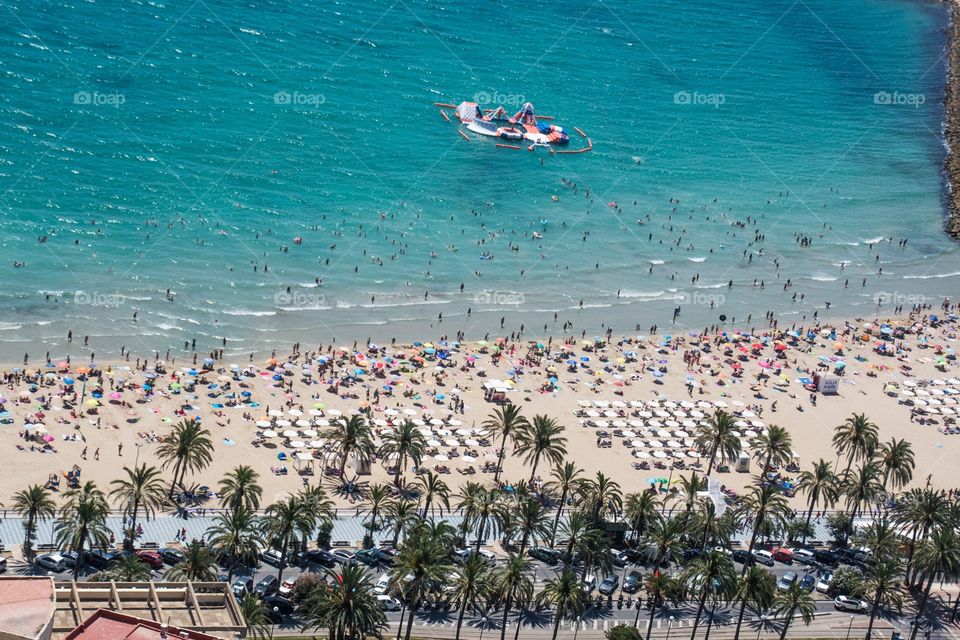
266 586
609 585
763 557
804 557
286 588
272 557
808 582
787 579
846 603
316 557
171 556
3 564
342 555
102 560
619 558
589 584
783 554
70 558
51 562
382 585
691 554
278 607
742 556
825 557
823 585
242 586
545 554
372 557
631 584
722 551
387 603
151 558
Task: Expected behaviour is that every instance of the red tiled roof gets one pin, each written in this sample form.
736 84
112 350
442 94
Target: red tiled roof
26 605
111 625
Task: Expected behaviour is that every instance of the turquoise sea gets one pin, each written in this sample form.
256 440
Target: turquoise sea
183 146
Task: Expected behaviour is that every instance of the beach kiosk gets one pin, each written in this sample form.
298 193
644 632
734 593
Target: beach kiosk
743 463
495 391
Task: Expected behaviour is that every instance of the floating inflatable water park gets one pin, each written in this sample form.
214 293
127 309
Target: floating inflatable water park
524 128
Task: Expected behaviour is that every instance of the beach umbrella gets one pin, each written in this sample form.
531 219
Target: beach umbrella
297 444
290 433
263 423
269 433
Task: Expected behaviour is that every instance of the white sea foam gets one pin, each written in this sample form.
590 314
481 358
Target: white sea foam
698 259
952 274
248 312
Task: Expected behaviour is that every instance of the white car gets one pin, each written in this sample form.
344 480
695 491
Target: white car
763 557
51 562
846 603
383 584
723 551
387 603
823 584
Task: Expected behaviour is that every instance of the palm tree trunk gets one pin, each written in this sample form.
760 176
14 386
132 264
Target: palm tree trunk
503 449
807 526
133 523
481 532
396 476
653 611
873 613
696 620
556 622
516 634
403 611
463 610
921 606
556 518
410 616
713 610
786 624
283 558
533 470
506 612
743 606
28 543
713 457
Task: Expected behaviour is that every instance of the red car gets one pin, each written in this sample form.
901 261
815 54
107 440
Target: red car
151 558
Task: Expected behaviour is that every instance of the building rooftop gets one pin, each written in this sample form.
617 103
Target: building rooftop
27 606
113 625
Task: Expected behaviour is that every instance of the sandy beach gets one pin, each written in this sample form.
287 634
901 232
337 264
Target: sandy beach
642 397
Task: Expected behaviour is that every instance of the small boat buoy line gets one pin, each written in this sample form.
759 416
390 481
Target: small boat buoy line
525 125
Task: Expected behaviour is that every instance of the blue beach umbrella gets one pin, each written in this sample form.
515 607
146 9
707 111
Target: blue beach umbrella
68 381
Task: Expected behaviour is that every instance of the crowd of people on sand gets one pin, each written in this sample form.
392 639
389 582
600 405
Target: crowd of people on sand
643 395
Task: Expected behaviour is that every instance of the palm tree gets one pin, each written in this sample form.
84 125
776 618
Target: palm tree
198 565
773 448
236 537
423 560
513 585
130 568
763 505
187 448
348 436
348 607
896 462
937 555
432 486
32 504
856 437
565 593
820 485
881 538
533 521
283 519
142 488
710 575
467 501
378 501
883 581
565 482
470 587
399 514
483 508
82 522
657 585
404 442
861 487
239 488
603 497
506 420
689 488
318 509
255 616
639 509
791 601
542 438
755 589
719 437
579 532
918 512
665 535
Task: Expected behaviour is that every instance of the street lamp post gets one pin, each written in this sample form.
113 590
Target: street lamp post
670 626
576 627
849 627
483 625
